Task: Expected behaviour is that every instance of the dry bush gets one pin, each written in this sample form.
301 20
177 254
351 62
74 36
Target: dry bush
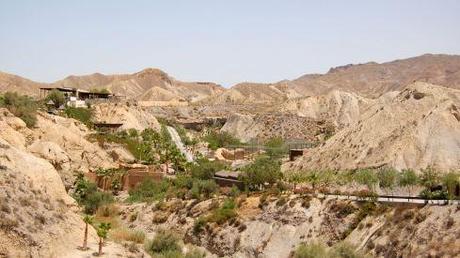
133 216
125 234
450 222
160 217
8 223
342 209
420 217
40 218
108 211
5 208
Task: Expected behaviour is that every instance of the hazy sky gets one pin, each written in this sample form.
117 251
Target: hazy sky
221 41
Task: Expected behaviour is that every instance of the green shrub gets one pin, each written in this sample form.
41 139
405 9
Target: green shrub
345 250
164 243
450 181
149 190
195 253
205 169
57 97
366 177
83 115
21 106
87 195
312 250
263 170
223 213
220 139
276 147
199 224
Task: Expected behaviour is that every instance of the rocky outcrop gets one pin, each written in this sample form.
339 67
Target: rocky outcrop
271 125
131 116
340 108
70 136
38 217
61 141
276 225
418 128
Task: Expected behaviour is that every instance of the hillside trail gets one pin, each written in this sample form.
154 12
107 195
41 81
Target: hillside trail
180 145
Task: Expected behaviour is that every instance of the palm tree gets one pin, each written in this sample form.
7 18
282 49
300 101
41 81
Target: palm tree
88 220
102 232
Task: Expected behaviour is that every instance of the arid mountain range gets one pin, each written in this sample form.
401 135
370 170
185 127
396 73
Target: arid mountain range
369 80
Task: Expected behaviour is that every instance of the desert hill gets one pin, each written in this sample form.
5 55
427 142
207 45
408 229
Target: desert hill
418 128
369 80
374 79
144 85
10 82
339 107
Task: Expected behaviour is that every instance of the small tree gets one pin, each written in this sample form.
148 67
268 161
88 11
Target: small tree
450 182
366 177
408 179
263 170
57 97
88 220
387 178
102 232
429 178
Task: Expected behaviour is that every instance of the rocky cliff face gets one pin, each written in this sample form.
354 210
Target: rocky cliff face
131 116
341 108
275 226
271 125
418 128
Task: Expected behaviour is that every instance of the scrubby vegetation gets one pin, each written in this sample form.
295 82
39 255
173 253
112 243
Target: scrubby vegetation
387 179
217 139
164 244
218 215
148 146
264 170
21 106
276 147
88 195
316 250
56 97
83 115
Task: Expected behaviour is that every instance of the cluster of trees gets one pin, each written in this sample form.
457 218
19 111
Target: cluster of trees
195 183
148 146
102 232
88 195
21 106
437 186
217 139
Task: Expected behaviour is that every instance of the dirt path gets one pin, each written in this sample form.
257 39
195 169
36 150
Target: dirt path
178 141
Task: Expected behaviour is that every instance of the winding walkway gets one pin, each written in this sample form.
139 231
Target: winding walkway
178 141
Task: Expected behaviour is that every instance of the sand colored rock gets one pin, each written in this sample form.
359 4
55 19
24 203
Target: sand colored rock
129 115
70 135
271 125
341 108
418 128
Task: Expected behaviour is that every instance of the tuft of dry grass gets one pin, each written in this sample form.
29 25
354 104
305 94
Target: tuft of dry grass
125 234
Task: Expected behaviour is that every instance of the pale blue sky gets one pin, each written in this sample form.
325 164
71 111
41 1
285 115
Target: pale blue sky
221 41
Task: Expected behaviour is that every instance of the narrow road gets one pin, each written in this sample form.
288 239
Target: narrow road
178 141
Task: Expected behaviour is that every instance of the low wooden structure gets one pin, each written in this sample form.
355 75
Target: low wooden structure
294 153
74 92
107 127
228 179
